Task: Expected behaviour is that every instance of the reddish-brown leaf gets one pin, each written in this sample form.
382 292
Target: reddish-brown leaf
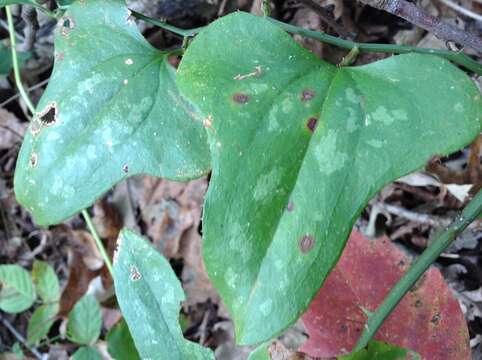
428 320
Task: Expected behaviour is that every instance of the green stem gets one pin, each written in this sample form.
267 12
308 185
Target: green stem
163 25
98 241
423 262
350 57
16 69
266 9
456 57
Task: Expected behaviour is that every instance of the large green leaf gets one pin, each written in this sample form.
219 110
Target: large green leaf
111 110
299 146
85 321
16 289
149 295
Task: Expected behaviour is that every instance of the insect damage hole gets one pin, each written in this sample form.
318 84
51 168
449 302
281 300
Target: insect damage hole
125 168
48 116
66 24
135 275
306 243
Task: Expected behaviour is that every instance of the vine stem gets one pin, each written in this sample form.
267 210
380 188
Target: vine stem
423 262
16 70
98 241
456 57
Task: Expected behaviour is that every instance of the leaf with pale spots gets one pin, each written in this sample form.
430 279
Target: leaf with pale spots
111 110
150 296
298 149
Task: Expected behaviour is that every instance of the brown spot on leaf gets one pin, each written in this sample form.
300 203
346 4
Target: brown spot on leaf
311 123
33 159
240 98
307 94
306 243
66 24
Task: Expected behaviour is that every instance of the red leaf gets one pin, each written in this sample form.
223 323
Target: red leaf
428 320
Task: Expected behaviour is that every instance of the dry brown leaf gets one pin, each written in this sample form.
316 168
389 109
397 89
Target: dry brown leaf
11 129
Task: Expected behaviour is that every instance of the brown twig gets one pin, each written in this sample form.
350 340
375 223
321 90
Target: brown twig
326 17
421 18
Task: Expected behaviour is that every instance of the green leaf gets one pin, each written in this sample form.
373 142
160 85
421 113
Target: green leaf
86 353
41 321
85 321
120 343
17 293
13 2
17 350
45 281
377 350
111 110
149 295
299 147
261 352
6 59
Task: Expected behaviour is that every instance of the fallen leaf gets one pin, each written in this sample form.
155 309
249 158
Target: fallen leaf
428 320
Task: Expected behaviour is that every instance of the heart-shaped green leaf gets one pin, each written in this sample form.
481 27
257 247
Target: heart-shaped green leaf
17 292
85 321
111 110
299 146
150 295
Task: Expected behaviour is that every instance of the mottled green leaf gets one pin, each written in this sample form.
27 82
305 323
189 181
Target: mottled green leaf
120 343
85 321
41 321
86 353
377 350
299 147
17 293
111 110
45 281
150 295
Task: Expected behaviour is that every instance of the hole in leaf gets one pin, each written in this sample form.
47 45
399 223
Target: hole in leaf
49 115
306 243
240 98
125 168
66 24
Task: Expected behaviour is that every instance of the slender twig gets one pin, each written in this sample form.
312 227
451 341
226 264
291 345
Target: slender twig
462 10
16 69
423 262
20 338
98 241
423 19
326 17
13 97
350 57
457 57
